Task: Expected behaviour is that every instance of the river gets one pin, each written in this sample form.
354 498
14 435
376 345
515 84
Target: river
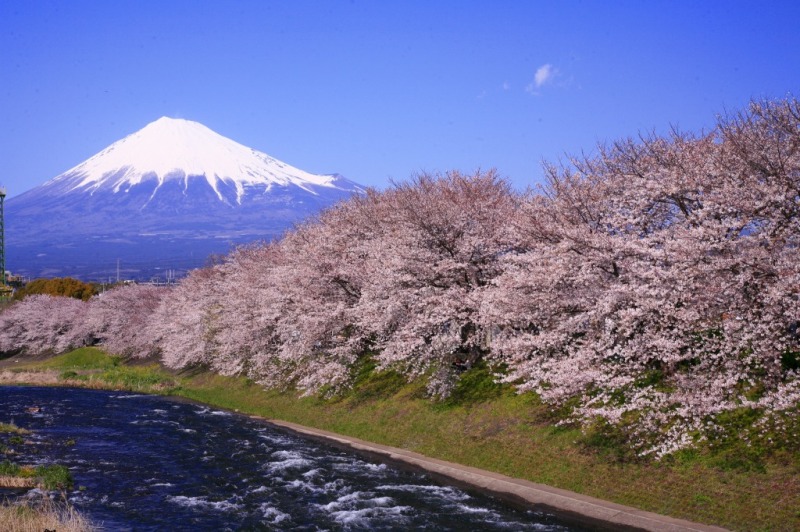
145 462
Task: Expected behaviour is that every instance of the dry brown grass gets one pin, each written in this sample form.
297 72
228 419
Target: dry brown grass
29 377
44 514
16 482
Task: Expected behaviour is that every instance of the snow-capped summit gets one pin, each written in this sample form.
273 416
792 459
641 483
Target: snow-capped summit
175 149
166 196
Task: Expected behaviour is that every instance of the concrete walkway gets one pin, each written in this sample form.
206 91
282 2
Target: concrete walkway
575 507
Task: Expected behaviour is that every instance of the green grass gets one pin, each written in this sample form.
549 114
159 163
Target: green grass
49 477
10 428
84 358
140 378
93 368
53 477
10 469
488 426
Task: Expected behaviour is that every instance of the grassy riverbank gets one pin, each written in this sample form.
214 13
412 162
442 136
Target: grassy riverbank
486 426
39 513
13 475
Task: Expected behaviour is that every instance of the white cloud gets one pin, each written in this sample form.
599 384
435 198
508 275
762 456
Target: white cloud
506 85
545 75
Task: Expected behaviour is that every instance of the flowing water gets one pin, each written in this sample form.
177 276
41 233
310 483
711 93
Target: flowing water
152 463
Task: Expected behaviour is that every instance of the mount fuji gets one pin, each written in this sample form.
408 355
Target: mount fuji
160 200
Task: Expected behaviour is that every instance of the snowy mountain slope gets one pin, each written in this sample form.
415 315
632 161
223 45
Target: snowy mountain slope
171 190
171 149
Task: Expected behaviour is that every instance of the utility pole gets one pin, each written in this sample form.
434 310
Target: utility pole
118 270
5 290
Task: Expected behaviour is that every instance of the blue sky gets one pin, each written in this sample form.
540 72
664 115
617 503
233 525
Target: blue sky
380 90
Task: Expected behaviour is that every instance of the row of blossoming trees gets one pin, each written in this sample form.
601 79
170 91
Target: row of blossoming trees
654 286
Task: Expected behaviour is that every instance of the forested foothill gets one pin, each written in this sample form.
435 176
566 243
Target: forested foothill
648 292
58 286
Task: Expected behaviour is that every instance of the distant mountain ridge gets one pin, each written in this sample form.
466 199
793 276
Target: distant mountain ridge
163 198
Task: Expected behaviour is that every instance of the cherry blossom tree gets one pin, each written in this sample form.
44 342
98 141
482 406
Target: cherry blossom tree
120 319
659 280
427 273
318 283
399 272
302 294
652 287
43 323
184 325
247 337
